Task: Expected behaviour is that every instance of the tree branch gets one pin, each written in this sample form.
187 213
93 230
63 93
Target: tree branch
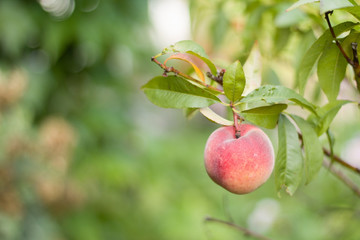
354 46
336 158
246 231
341 176
353 62
337 172
336 41
341 161
177 72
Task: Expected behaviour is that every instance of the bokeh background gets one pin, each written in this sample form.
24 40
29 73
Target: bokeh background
85 156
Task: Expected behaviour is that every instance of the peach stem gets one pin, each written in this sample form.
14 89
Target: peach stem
236 125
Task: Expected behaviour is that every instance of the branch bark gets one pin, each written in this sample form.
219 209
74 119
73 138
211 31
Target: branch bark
336 158
246 231
177 72
337 172
341 176
353 62
341 161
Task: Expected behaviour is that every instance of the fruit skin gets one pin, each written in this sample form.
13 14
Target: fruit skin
242 164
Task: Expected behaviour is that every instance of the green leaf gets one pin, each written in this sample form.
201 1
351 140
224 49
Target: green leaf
252 70
269 76
353 2
190 112
313 53
214 117
354 36
355 11
288 165
264 116
300 3
287 19
329 5
325 115
234 81
282 37
313 150
175 92
331 71
249 36
220 24
188 46
276 94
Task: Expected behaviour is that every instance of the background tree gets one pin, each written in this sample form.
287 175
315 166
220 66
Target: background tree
84 155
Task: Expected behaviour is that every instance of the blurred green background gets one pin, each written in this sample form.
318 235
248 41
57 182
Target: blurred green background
85 156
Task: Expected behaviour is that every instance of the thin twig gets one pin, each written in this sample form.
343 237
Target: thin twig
340 175
340 161
337 42
177 72
246 231
337 172
336 158
355 62
354 46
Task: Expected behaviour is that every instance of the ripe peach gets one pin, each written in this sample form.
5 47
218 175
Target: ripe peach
241 164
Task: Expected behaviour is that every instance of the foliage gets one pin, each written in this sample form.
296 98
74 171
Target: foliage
264 104
65 124
300 152
83 155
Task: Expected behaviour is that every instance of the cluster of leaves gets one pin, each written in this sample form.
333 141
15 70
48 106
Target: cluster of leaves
262 106
300 154
331 64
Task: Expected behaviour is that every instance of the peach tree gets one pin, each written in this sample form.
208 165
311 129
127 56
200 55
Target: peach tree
300 154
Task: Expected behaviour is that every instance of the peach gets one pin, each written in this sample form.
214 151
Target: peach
239 164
